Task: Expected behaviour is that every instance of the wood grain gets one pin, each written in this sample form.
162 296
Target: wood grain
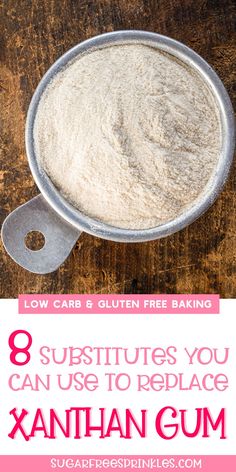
200 258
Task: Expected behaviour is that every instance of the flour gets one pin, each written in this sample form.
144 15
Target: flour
129 135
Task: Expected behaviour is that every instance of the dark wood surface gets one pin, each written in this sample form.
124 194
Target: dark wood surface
198 259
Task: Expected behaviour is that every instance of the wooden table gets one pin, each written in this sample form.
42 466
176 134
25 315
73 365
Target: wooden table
198 259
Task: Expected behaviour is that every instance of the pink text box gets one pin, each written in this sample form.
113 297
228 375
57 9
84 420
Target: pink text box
120 304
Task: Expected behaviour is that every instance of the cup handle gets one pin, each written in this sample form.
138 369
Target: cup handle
37 215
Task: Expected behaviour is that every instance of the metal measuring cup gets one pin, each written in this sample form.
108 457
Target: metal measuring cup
60 222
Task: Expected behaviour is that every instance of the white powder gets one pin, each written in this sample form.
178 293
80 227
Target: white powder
129 135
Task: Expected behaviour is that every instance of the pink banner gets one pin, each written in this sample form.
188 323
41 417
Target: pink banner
120 304
111 463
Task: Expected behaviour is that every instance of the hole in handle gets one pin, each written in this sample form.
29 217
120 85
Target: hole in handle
34 240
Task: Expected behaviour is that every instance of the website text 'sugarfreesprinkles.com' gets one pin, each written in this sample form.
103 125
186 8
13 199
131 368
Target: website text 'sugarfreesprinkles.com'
127 463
